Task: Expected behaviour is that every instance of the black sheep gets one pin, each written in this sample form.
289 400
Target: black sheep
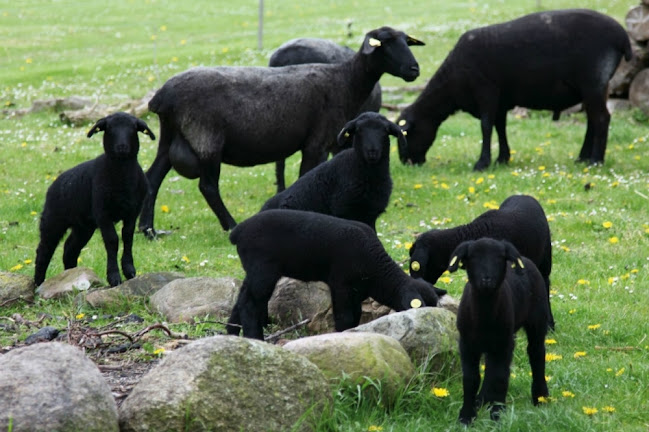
546 60
497 301
315 50
247 116
308 246
97 193
356 183
520 219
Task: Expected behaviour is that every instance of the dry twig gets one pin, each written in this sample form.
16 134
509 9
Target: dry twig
276 335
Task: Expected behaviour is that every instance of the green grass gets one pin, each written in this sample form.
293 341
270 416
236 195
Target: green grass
106 52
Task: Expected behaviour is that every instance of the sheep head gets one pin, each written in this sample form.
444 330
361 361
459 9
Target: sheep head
369 133
485 261
120 134
389 49
420 134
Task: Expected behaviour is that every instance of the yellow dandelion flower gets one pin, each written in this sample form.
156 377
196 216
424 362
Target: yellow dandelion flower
444 186
611 280
491 176
551 218
615 184
634 271
440 392
552 357
163 28
567 394
479 180
150 78
183 41
572 311
550 341
579 354
515 174
23 144
185 259
374 428
27 261
471 190
174 59
445 279
565 248
609 369
608 409
607 224
589 410
33 213
154 37
407 245
159 351
16 267
491 205
418 186
613 240
543 400
583 282
548 378
225 50
594 326
80 316
28 60
620 372
542 168
164 209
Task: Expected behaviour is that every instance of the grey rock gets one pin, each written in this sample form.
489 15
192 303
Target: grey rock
182 300
359 356
227 383
54 387
70 281
294 300
15 287
428 334
140 286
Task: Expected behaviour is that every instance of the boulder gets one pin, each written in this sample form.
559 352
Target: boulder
69 282
54 387
15 287
428 334
227 383
140 286
182 300
359 356
294 300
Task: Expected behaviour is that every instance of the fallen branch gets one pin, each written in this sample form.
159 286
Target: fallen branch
119 332
6 302
276 335
171 334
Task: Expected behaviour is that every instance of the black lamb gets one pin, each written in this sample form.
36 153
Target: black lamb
520 219
496 302
97 193
247 116
315 50
308 246
546 60
356 183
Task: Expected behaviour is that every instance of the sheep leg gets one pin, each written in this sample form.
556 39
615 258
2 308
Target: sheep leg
594 146
111 243
209 187
159 169
311 158
501 129
470 360
347 311
280 165
496 380
486 124
78 238
50 238
252 304
536 355
128 229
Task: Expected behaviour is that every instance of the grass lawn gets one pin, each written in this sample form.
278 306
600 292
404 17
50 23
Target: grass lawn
110 52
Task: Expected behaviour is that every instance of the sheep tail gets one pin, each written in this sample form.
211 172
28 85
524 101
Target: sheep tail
235 234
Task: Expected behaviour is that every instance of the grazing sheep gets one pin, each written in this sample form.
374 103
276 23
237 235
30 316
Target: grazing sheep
497 301
308 246
97 193
356 183
520 219
314 50
247 116
546 60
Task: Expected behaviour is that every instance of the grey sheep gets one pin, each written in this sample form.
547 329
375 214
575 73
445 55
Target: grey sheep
356 183
496 302
547 60
97 194
520 219
247 116
346 255
315 50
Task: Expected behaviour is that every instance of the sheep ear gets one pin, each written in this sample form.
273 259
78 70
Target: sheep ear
99 126
399 134
512 254
345 135
457 256
142 127
370 44
412 41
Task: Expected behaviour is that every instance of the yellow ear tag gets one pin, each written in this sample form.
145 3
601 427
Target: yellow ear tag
520 263
374 42
402 122
346 134
405 133
415 265
452 261
415 303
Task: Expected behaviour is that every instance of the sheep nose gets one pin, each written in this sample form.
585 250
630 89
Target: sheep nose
486 280
414 68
